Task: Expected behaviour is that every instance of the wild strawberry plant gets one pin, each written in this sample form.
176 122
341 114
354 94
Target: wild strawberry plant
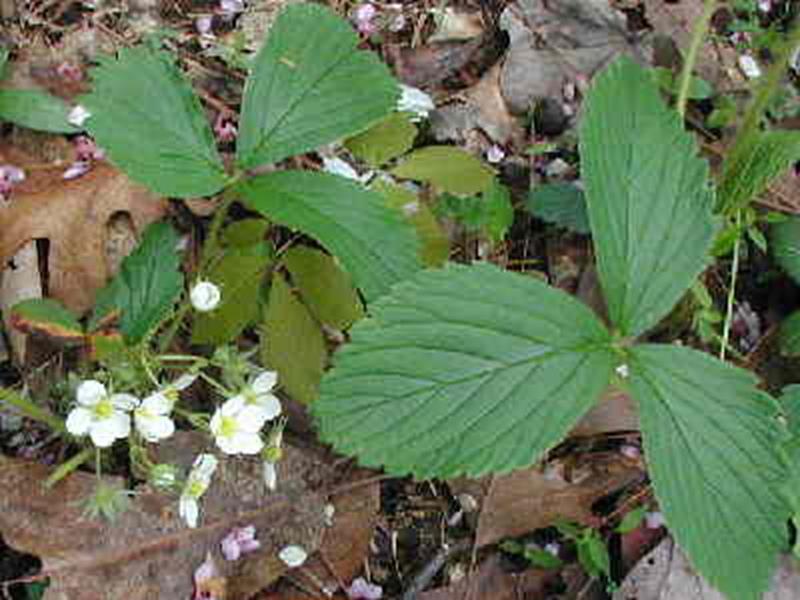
470 369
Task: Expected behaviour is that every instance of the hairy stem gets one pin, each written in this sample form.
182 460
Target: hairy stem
726 330
700 29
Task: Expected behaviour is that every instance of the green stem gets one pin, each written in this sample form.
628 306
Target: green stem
751 126
31 410
211 248
726 330
699 33
68 467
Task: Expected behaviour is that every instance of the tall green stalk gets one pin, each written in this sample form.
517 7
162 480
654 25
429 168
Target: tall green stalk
699 33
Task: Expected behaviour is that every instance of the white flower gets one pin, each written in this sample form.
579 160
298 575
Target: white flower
270 470
415 101
623 371
152 415
293 556
78 115
196 485
205 296
104 417
235 426
257 394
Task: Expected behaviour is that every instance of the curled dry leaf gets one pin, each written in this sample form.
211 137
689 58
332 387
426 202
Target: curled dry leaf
148 553
530 499
74 217
483 108
555 43
665 573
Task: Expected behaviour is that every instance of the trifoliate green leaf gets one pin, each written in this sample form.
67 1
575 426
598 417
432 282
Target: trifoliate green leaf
371 240
712 445
785 243
292 343
648 197
384 141
47 317
310 86
750 168
448 168
464 370
35 110
326 290
150 122
146 287
435 243
239 276
562 204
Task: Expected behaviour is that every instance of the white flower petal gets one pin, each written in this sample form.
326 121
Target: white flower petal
184 381
124 402
415 101
229 445
204 466
156 404
271 406
233 405
90 392
155 428
337 166
79 421
251 418
264 382
188 510
270 475
248 443
102 435
293 556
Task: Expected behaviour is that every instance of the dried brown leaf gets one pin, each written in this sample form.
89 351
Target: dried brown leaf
148 552
73 216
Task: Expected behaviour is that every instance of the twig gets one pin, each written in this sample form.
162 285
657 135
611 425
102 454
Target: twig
422 579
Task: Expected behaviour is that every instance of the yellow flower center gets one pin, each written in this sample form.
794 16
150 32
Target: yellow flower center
228 427
104 409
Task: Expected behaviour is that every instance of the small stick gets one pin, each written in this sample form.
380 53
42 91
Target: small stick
426 575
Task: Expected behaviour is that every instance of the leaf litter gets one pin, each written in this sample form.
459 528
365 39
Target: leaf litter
569 41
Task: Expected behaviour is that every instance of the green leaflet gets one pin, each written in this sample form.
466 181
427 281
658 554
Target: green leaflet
239 274
648 197
789 336
435 244
448 168
146 287
310 86
327 291
785 244
712 445
384 141
35 110
173 150
370 239
464 370
293 343
47 317
562 204
748 172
